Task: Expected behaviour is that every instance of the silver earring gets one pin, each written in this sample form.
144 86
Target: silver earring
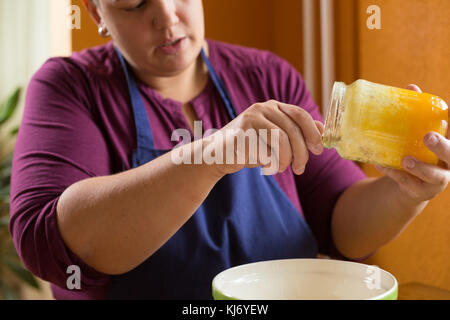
103 31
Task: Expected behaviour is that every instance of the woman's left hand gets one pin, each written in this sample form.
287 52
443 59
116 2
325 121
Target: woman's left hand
420 181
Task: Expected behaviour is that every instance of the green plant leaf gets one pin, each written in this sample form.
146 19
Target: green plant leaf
14 131
4 222
4 209
7 160
22 273
7 108
5 172
4 199
7 292
4 192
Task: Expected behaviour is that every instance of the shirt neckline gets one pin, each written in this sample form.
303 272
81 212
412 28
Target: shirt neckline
196 101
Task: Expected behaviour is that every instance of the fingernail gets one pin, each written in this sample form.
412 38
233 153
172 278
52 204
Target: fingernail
409 163
299 170
432 139
316 148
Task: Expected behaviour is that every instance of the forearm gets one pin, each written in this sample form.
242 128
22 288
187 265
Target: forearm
369 214
114 223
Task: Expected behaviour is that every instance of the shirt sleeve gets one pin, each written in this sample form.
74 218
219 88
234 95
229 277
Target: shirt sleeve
58 144
326 176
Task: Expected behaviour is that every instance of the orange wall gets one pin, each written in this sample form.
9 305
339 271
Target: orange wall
346 36
412 47
275 25
255 23
87 36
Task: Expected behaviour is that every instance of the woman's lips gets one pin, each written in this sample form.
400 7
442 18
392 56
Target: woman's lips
173 46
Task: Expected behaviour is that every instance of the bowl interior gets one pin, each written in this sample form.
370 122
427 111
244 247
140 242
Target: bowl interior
304 279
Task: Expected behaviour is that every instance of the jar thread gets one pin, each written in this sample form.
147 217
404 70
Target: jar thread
331 135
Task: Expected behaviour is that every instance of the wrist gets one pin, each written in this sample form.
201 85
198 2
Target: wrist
209 154
189 157
406 200
214 156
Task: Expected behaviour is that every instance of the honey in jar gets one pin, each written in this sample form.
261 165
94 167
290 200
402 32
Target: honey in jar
378 124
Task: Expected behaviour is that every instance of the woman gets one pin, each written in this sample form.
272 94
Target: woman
94 183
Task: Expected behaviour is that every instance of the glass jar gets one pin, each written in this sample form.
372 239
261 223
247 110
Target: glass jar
378 124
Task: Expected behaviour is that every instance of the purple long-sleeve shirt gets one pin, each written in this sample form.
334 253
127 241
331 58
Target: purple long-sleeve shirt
78 123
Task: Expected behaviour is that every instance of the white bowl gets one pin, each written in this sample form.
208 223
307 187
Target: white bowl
305 279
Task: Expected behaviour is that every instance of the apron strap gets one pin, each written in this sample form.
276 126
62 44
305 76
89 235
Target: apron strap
220 87
143 129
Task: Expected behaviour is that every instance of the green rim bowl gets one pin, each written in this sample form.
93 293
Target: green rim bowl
305 279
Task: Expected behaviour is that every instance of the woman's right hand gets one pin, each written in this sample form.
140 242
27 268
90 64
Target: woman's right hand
284 133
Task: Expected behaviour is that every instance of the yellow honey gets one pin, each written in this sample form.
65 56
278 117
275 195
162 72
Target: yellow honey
378 124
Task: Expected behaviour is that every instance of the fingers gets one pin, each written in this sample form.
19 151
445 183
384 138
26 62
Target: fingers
300 154
439 146
431 174
414 87
279 149
320 126
272 148
303 119
295 130
411 185
428 173
420 181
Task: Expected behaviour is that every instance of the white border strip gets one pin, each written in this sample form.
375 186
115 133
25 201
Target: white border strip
61 34
309 52
327 56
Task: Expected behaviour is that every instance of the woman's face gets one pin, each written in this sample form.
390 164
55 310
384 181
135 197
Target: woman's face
157 37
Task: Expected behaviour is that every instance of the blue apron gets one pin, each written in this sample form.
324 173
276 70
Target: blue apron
245 218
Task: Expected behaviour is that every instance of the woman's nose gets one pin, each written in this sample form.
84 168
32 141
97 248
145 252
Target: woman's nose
165 14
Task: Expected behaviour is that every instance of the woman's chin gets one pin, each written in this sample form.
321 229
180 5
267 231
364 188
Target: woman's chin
175 64
170 70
